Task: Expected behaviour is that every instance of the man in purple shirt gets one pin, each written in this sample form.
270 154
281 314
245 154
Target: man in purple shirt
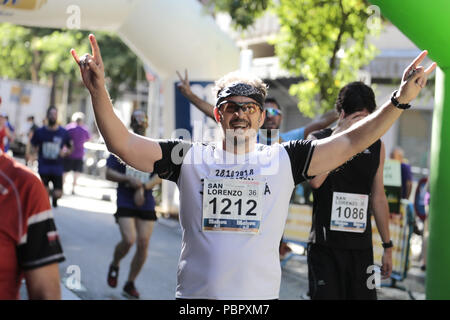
79 135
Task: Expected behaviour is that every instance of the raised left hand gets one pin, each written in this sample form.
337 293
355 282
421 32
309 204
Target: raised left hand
414 79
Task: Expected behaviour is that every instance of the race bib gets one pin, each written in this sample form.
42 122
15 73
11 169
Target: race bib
232 205
349 212
143 177
50 150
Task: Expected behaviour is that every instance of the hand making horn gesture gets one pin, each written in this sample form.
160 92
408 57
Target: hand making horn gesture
414 79
91 66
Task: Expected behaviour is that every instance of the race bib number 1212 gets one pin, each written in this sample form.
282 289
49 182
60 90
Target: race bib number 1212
231 205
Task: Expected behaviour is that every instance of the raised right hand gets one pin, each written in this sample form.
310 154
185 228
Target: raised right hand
91 67
183 85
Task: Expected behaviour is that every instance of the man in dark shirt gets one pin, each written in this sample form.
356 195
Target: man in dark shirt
135 212
340 249
53 143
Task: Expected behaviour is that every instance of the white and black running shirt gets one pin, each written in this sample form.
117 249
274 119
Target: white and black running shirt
230 249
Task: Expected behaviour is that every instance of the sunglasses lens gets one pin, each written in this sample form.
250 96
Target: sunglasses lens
251 108
273 112
232 107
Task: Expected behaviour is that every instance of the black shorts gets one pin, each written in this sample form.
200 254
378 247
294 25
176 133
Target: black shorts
340 274
133 213
73 165
57 181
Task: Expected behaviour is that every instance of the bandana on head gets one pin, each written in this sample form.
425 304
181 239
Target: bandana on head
240 89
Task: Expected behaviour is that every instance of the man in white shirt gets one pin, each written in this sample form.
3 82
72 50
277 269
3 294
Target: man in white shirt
233 223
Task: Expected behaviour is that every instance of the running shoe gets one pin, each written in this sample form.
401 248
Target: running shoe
129 291
113 274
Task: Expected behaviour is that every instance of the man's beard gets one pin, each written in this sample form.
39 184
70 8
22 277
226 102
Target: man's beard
51 122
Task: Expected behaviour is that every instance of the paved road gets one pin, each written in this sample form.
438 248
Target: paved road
88 234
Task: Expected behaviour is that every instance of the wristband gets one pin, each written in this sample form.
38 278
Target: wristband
387 245
397 104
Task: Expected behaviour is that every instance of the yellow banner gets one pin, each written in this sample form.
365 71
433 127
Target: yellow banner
23 4
399 232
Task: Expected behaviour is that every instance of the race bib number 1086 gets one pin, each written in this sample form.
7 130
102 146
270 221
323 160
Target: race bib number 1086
231 205
349 212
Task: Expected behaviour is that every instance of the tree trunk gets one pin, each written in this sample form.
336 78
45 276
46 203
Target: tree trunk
53 79
35 66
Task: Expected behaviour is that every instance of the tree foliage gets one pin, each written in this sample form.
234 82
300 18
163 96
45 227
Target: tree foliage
43 55
242 12
324 42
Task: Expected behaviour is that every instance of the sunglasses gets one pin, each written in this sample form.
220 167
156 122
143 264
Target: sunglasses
273 112
246 107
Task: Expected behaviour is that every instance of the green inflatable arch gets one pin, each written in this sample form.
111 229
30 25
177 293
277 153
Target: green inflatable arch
427 24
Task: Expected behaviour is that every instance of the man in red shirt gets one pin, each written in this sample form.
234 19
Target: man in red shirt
29 244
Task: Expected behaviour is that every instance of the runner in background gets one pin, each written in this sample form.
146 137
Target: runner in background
12 130
53 143
398 154
5 133
135 213
79 134
32 126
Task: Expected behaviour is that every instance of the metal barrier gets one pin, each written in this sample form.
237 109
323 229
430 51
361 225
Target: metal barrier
401 228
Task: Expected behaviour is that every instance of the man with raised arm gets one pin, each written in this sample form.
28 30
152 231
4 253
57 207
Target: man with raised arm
234 196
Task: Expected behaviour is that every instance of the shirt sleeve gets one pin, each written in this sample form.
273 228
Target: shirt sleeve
300 153
296 134
39 242
113 163
173 153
